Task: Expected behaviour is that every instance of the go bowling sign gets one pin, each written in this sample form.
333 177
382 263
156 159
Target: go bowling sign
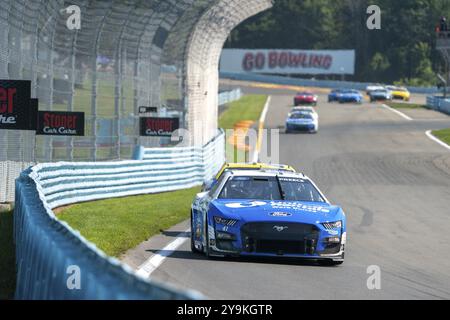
60 123
15 98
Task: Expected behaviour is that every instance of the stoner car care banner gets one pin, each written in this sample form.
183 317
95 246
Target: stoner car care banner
158 127
60 123
288 61
15 98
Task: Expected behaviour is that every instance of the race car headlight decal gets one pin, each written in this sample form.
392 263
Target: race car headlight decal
226 222
225 236
332 225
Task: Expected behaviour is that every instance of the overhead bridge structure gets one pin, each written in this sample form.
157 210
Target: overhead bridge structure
107 59
125 54
120 55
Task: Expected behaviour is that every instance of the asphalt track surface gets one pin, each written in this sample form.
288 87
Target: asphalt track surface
394 185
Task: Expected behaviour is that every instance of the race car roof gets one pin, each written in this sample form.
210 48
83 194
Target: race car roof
253 166
267 173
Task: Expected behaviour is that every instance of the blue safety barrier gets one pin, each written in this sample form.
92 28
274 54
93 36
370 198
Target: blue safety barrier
48 250
313 83
229 96
439 104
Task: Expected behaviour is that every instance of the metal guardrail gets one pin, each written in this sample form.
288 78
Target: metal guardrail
46 247
313 83
439 104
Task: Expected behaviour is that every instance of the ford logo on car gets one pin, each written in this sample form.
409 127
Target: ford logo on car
280 214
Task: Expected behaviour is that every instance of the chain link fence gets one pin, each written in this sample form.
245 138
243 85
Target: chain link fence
126 54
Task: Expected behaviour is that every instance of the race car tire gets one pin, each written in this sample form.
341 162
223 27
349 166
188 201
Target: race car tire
193 248
330 263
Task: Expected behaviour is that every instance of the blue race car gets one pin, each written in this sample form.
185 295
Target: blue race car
380 95
268 214
350 96
334 95
302 121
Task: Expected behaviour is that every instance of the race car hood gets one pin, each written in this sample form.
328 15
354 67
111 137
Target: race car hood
292 211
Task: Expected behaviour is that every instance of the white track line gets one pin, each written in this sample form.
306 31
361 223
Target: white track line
401 114
147 268
262 119
432 137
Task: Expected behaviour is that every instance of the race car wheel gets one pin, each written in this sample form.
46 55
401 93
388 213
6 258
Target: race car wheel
193 248
330 263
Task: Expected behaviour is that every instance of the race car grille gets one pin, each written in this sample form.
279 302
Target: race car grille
279 238
332 248
282 247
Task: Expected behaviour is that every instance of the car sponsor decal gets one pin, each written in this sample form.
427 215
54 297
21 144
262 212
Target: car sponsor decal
250 204
280 228
280 214
299 207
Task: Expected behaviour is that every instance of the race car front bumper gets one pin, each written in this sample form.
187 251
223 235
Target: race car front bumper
304 241
310 127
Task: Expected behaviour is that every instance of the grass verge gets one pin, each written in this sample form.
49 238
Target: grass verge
116 225
402 105
443 135
7 256
247 108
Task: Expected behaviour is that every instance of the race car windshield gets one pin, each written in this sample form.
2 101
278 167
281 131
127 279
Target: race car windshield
270 188
302 115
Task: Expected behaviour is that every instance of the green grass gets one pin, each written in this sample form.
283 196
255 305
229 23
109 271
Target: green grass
247 108
444 135
7 256
400 105
116 225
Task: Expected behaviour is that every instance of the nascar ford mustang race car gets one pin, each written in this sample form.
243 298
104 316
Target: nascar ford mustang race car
270 214
305 98
245 166
302 121
350 96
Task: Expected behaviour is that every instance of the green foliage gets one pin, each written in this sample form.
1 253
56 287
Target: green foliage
403 50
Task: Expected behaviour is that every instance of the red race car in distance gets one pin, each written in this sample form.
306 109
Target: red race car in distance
305 98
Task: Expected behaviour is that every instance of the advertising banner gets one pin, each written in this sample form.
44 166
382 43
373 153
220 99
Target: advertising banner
60 123
15 98
33 118
158 127
288 61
